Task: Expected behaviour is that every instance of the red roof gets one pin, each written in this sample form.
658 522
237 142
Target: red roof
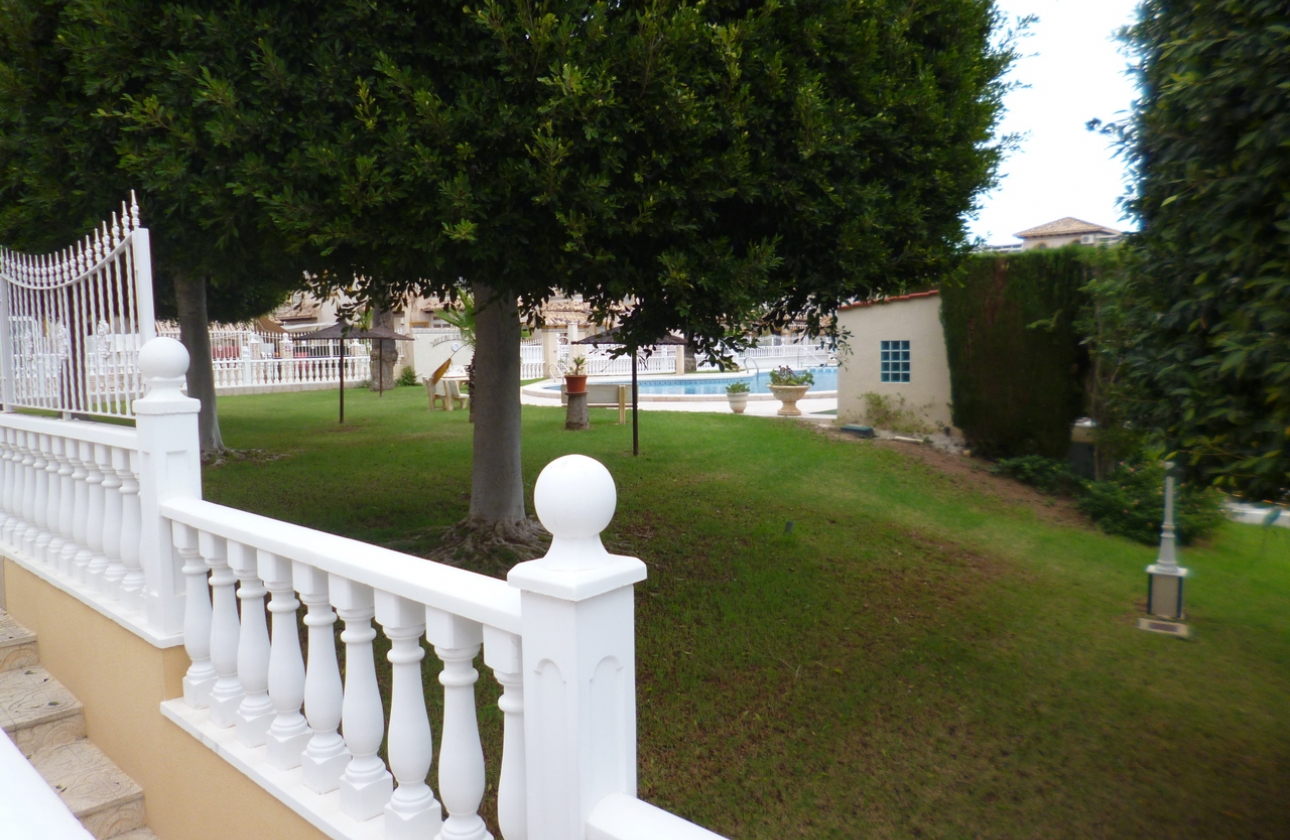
861 303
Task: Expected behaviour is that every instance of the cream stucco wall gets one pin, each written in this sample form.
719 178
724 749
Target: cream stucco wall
189 792
916 320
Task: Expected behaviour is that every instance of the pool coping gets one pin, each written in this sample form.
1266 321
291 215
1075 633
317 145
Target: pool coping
542 389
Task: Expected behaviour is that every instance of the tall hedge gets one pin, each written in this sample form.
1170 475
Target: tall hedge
1017 368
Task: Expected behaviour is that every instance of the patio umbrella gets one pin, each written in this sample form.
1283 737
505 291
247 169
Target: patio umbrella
614 337
342 331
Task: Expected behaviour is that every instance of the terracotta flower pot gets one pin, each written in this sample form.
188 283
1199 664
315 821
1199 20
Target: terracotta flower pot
788 395
575 383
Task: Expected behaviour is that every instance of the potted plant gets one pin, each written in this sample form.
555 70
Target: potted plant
575 381
737 393
789 387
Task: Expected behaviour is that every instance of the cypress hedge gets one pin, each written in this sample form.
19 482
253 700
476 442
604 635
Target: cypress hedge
1017 367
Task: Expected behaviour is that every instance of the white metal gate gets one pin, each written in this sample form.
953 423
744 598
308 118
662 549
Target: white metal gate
72 322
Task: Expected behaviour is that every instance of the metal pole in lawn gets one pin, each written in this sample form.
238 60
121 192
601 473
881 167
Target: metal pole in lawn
636 435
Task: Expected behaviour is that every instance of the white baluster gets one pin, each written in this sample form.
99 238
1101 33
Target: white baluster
503 653
255 711
197 618
413 812
115 569
94 529
66 508
226 693
40 497
288 733
326 756
132 583
49 541
366 785
26 525
81 512
461 758
6 478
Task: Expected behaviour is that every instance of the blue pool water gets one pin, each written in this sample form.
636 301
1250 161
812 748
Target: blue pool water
826 379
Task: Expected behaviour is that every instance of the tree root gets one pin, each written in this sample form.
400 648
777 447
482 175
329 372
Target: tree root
490 548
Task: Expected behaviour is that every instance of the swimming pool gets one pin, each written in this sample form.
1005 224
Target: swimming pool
826 380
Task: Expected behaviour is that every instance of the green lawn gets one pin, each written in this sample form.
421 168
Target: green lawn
913 659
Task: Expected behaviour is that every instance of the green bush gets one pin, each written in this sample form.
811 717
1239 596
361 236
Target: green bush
883 411
407 377
1017 366
1046 474
1131 503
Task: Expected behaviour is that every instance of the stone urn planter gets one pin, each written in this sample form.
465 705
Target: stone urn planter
738 401
788 395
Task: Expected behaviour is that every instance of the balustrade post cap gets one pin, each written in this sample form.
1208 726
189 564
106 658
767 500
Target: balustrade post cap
163 358
575 497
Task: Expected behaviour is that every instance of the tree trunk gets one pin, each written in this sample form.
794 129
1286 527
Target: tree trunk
384 354
497 484
194 332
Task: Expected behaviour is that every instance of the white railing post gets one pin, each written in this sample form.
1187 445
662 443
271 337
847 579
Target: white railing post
197 619
412 812
40 495
461 758
326 755
132 582
504 654
56 460
169 467
579 653
98 499
366 785
226 694
255 711
289 733
114 571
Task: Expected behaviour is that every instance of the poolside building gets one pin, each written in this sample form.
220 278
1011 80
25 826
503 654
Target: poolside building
895 349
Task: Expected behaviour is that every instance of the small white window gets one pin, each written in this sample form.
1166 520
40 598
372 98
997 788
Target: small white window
894 358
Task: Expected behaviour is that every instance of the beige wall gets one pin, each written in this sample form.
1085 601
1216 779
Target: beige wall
189 792
916 320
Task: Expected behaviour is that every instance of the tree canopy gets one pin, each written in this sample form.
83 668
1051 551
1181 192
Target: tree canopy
1210 284
80 84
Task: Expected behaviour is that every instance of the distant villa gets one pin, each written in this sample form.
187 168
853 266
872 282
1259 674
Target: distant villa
1059 233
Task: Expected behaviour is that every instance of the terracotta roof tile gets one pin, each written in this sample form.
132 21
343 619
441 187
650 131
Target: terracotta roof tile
1065 227
911 296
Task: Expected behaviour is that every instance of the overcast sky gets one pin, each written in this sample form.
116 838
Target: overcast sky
1075 71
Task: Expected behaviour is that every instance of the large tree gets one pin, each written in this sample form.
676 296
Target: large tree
78 82
1209 286
717 163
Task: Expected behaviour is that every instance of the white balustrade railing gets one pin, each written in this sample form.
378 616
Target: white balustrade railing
113 515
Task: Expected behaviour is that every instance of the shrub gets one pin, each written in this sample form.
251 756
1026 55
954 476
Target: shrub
407 376
1017 367
1131 503
785 376
737 388
884 412
1045 474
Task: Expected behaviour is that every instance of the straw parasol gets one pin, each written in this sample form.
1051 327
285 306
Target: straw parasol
615 337
341 330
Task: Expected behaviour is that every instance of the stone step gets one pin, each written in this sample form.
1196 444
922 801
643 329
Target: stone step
137 834
17 644
106 801
37 711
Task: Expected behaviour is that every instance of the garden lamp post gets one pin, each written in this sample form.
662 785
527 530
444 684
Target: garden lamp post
1165 576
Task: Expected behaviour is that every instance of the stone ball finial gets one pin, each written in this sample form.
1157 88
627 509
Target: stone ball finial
575 497
163 358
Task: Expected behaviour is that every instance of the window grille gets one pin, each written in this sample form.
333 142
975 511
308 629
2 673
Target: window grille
895 361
